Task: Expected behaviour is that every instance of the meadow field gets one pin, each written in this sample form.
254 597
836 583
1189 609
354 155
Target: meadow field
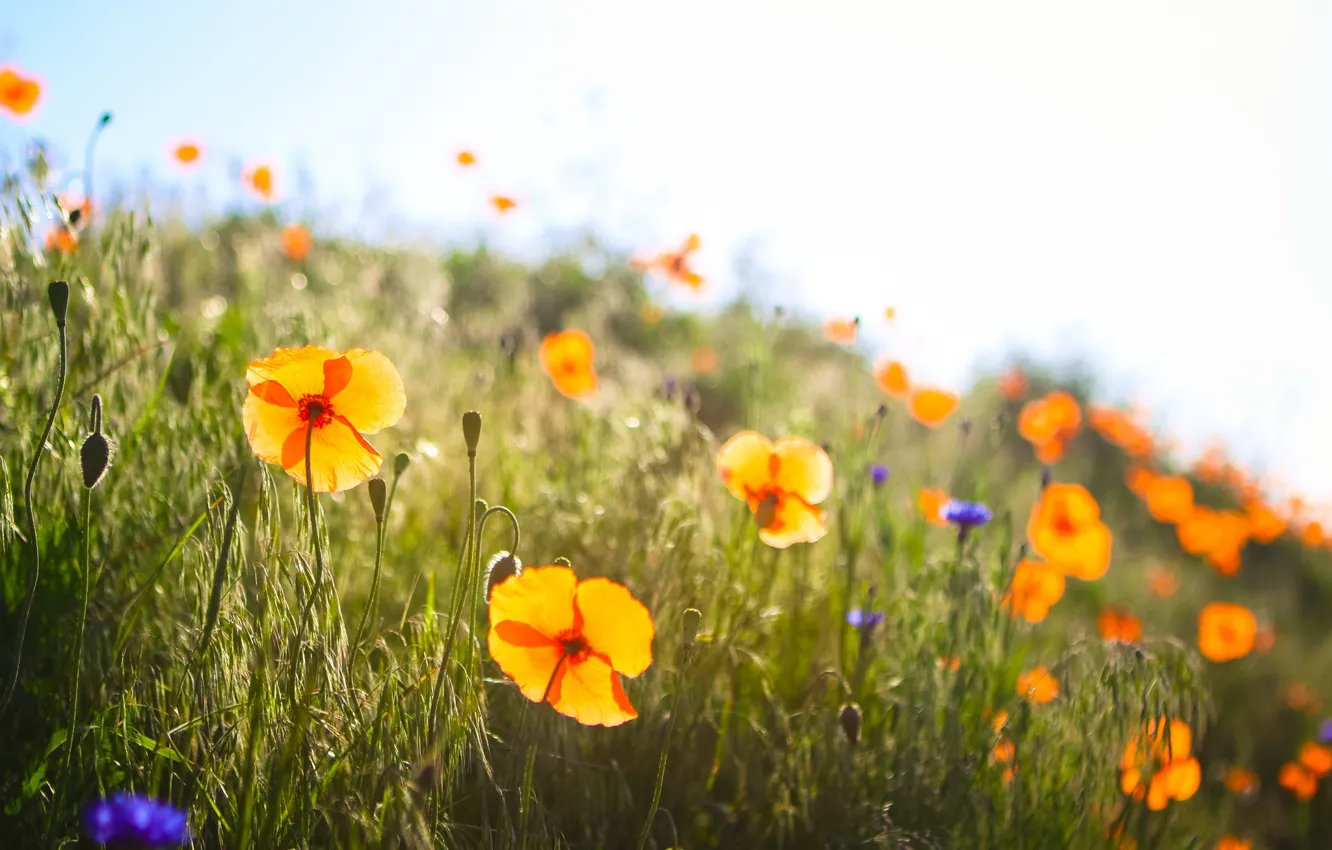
307 543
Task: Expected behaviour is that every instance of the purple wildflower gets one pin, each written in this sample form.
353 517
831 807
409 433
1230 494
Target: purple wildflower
878 474
1325 731
135 819
966 514
859 619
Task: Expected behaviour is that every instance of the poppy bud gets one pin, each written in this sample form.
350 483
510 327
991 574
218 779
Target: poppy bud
74 217
508 342
882 412
471 431
400 463
104 120
850 718
692 619
58 293
692 399
378 497
1045 477
94 458
504 565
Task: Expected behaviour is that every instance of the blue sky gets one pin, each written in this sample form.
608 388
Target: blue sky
1146 185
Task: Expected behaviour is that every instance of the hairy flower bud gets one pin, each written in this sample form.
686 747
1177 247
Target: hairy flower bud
502 566
378 497
58 294
471 423
850 718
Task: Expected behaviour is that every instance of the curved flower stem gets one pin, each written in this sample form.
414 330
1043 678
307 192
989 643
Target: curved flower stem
473 586
88 162
32 517
78 655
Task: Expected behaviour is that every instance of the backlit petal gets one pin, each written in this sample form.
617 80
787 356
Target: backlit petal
299 370
372 397
803 469
526 656
267 426
744 462
590 692
340 458
616 625
931 407
541 597
793 522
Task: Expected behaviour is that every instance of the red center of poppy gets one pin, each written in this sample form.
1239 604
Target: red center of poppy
1061 521
316 408
1226 633
575 645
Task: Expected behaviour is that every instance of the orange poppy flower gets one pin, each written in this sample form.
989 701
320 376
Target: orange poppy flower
1063 408
345 396
1050 452
1316 758
61 238
892 379
1312 536
260 181
842 331
1301 697
1170 499
1230 842
1241 781
889 313
1066 529
1264 524
296 242
1036 423
1199 532
186 154
1037 685
566 357
931 407
1162 582
1117 624
502 203
704 361
1166 754
951 663
1013 383
1036 586
674 264
568 642
1116 428
932 500
1298 780
18 93
1226 631
782 483
1139 479
466 158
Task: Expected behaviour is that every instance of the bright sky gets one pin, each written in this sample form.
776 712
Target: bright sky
1145 184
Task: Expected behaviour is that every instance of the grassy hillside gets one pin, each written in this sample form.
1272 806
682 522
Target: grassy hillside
219 667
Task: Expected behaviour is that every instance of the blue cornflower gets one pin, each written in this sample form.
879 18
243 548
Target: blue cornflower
878 474
1325 731
132 818
864 619
966 514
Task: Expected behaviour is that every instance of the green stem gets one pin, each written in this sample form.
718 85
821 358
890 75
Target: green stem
313 507
78 657
374 584
461 579
32 517
661 769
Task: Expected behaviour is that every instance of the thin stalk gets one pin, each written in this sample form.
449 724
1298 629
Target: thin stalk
312 506
32 517
86 566
661 765
220 568
525 791
374 583
468 543
88 162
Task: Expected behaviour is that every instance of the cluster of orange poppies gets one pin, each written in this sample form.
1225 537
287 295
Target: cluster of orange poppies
930 406
1065 528
560 640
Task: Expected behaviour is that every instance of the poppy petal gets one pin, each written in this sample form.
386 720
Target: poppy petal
803 469
590 692
794 521
267 425
615 625
300 371
541 597
931 407
744 462
371 397
340 458
526 656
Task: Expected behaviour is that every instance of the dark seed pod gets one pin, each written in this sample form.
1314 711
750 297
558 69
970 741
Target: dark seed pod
850 719
95 454
471 430
502 566
58 294
378 497
400 463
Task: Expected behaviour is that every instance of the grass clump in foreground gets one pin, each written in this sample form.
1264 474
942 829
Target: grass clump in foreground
325 679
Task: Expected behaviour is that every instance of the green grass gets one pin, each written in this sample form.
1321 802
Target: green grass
218 668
